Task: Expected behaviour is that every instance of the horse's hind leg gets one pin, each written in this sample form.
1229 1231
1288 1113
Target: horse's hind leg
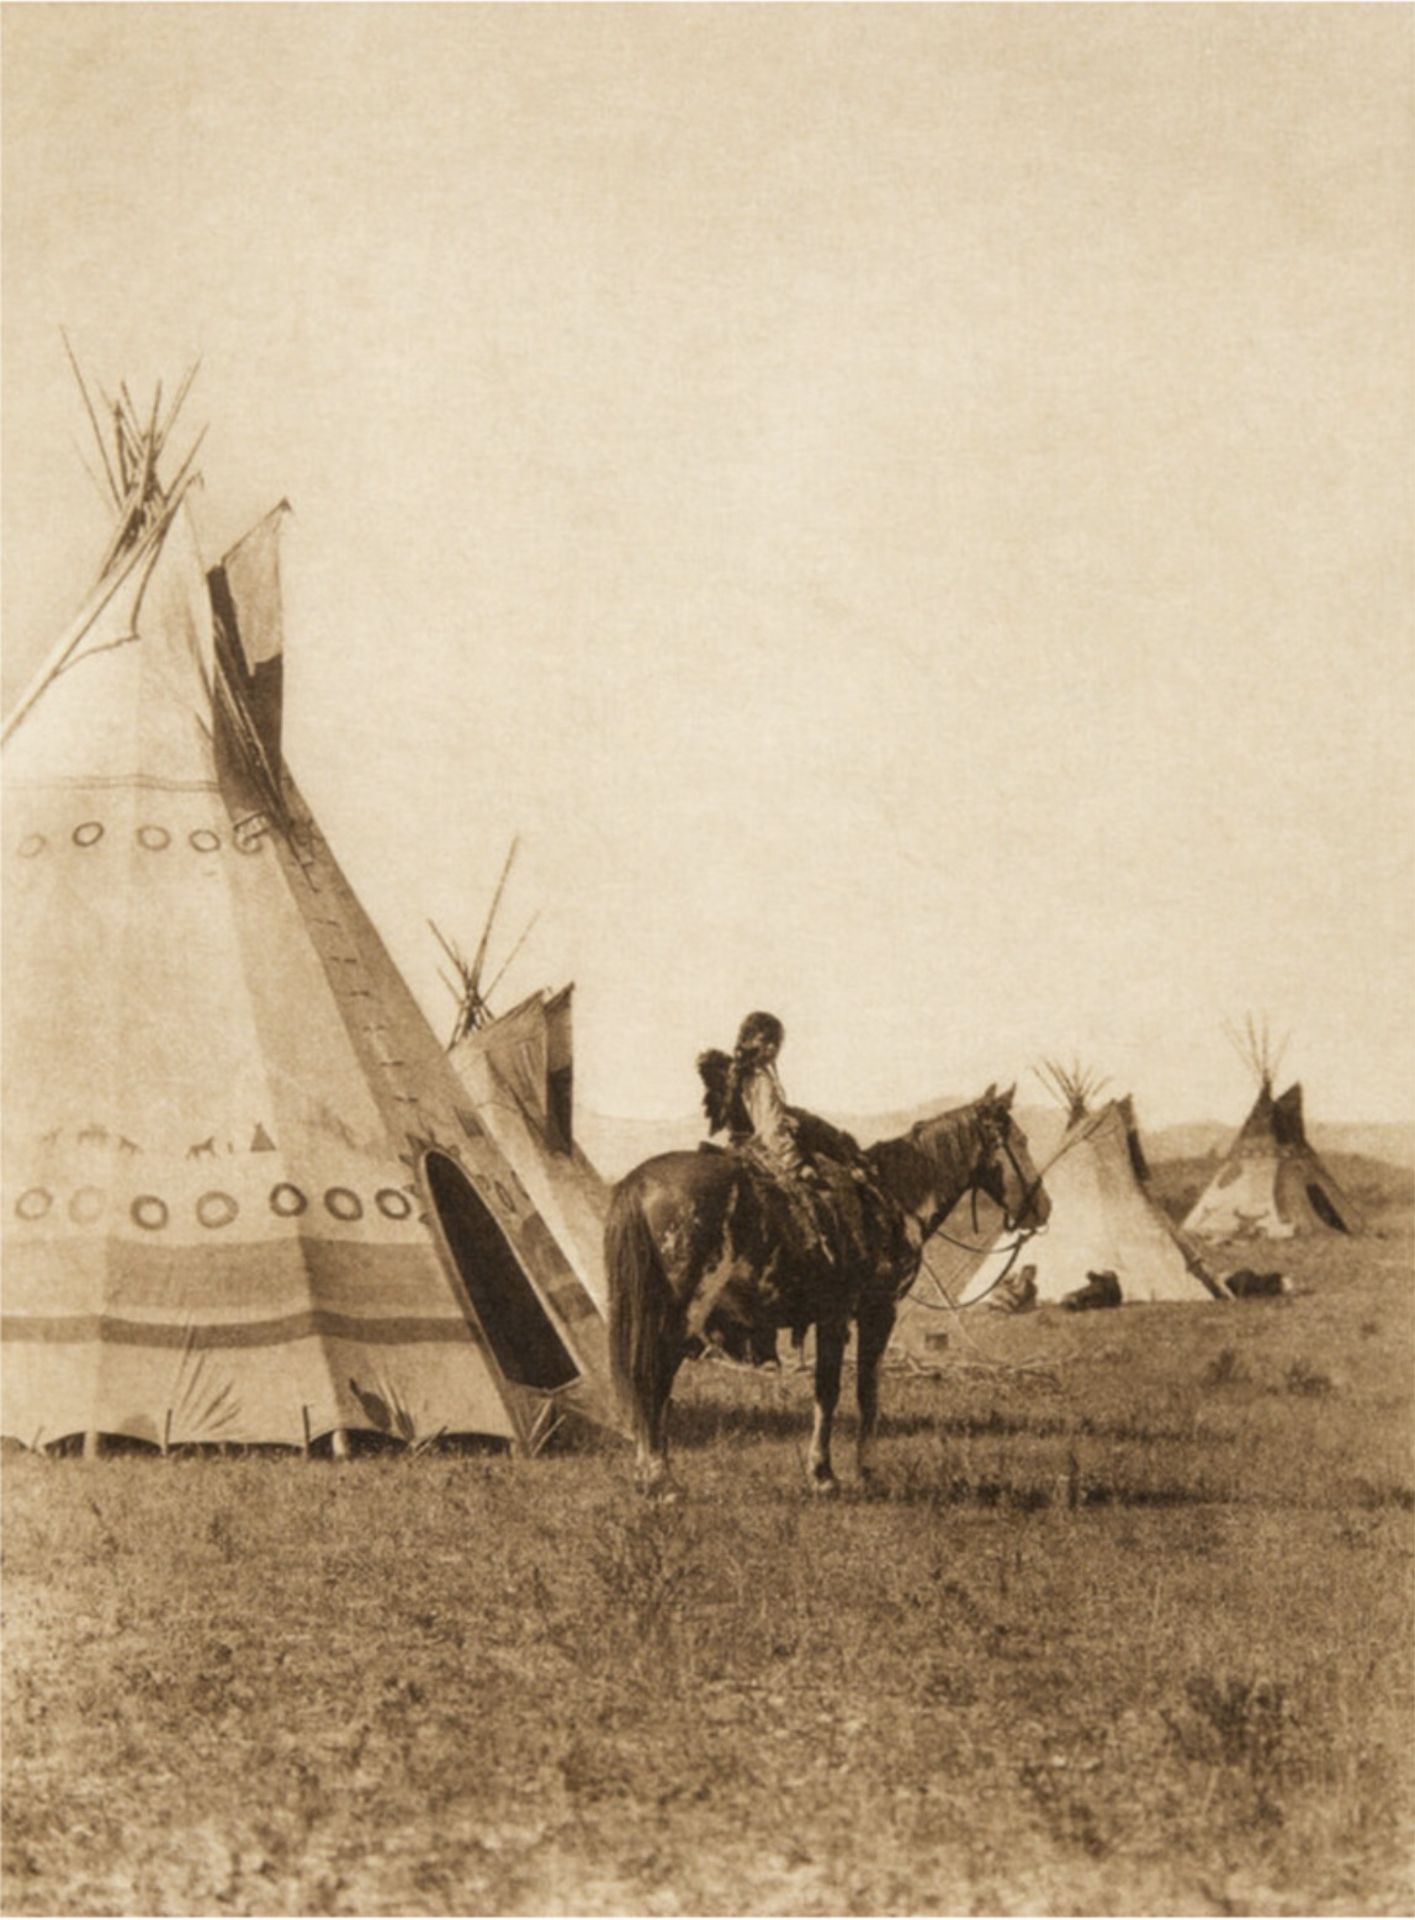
652 1471
830 1350
873 1328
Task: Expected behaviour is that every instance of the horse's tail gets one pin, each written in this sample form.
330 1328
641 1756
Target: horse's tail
642 1310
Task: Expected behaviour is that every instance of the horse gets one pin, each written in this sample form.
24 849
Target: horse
702 1247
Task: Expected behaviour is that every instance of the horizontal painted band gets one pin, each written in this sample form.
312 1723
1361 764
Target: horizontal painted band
262 1280
106 1330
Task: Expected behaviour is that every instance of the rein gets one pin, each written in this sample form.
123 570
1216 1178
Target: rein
1030 1189
1073 1138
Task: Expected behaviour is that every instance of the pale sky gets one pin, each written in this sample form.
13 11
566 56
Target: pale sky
907 510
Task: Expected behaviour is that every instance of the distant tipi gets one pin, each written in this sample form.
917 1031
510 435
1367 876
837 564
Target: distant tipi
1271 1184
1103 1219
246 1196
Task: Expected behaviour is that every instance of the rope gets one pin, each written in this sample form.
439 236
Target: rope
1050 1366
1073 1138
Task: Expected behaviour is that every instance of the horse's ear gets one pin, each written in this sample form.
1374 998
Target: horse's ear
989 1094
1006 1099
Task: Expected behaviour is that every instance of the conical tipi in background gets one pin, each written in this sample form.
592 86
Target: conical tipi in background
519 1071
1103 1219
1271 1183
246 1196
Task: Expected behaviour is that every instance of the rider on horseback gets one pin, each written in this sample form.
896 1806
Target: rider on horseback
757 1114
831 1184
744 1098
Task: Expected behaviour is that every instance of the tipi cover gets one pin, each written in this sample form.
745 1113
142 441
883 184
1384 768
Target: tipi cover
246 1197
1103 1218
1272 1184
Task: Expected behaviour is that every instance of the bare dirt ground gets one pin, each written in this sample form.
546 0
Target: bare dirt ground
1126 1627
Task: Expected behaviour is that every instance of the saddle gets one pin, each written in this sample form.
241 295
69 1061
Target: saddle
846 1219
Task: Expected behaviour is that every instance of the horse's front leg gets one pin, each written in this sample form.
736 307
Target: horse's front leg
830 1351
873 1328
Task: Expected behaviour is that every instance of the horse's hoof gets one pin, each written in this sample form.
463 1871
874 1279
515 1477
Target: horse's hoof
663 1493
825 1489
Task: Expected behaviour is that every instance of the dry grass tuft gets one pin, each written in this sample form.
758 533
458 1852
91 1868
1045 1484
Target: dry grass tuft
1132 1638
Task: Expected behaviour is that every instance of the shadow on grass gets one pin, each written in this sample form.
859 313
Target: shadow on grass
1019 1496
701 1423
1091 1491
358 1444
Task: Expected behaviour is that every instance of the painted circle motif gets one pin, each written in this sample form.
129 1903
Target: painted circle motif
34 1203
86 1205
287 1201
216 1209
88 833
344 1203
154 838
32 844
250 836
392 1203
149 1210
204 840
504 1197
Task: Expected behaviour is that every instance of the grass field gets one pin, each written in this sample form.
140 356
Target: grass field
1126 1627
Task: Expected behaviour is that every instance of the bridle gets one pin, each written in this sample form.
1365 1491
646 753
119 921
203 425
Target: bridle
992 1127
991 1135
993 1130
994 1134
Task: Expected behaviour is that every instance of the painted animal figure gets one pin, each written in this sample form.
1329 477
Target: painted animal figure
702 1247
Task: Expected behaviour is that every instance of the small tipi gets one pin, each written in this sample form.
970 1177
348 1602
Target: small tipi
246 1196
1103 1219
1271 1184
519 1068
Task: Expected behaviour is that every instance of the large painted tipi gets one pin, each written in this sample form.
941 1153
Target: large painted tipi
1271 1184
1103 1219
246 1196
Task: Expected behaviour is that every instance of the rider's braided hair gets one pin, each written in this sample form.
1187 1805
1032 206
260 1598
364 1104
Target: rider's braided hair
756 1033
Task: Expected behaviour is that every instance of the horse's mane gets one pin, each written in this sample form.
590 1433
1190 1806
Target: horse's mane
910 1162
817 1136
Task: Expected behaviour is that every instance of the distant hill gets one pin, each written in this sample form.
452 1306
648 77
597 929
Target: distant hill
1373 1185
1392 1142
615 1144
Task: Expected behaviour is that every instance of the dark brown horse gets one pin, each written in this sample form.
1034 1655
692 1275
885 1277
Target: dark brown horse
702 1247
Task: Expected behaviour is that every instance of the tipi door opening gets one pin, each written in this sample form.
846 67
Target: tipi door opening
521 1334
1324 1210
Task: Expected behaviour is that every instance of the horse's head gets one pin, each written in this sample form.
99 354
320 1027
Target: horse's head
1003 1169
974 1149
